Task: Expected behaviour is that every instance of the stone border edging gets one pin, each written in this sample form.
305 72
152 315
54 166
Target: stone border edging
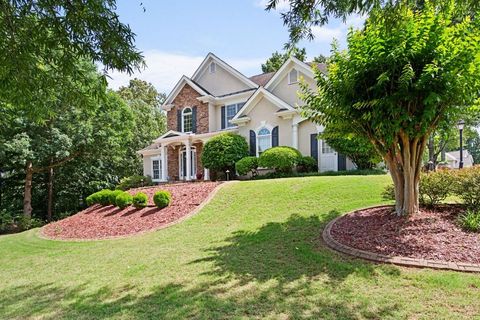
41 235
397 260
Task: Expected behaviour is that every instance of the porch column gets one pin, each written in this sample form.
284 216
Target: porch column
188 152
164 163
295 135
206 174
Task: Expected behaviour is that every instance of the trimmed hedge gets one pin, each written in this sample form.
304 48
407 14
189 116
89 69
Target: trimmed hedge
467 187
124 200
307 164
135 181
100 197
221 152
113 196
281 159
162 198
277 175
140 200
246 165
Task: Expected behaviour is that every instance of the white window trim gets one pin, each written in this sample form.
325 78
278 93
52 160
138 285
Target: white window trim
290 76
237 110
159 168
265 125
183 118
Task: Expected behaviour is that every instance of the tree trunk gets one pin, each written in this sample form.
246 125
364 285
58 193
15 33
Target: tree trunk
27 195
404 161
50 194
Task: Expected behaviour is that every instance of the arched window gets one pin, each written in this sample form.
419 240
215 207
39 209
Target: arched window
264 140
187 120
293 76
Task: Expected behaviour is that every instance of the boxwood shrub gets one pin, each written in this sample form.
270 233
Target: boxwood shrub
100 197
113 196
307 164
246 165
140 200
281 159
123 200
162 198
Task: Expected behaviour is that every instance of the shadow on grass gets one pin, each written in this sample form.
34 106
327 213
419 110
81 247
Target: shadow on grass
286 252
177 301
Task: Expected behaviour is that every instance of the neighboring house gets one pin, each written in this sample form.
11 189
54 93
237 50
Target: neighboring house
217 99
453 159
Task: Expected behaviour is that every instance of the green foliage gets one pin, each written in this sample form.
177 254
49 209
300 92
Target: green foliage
140 200
7 220
135 181
388 192
467 186
24 223
124 200
221 152
435 187
470 220
278 59
356 147
307 164
112 197
247 165
162 198
281 159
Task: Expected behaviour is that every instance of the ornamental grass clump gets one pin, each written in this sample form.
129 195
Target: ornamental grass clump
140 200
470 221
124 200
162 199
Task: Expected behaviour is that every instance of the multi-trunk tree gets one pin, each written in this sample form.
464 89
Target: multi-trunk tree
397 82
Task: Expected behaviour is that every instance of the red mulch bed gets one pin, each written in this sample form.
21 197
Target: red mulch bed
99 222
431 234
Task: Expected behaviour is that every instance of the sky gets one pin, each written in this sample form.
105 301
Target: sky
175 36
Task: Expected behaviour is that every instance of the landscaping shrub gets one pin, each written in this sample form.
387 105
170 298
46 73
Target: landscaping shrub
281 159
221 152
467 186
140 200
276 175
246 165
123 200
7 221
307 164
135 181
435 187
162 198
470 220
389 192
112 197
100 197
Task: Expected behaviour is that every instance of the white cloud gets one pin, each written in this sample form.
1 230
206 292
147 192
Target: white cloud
165 69
282 5
326 34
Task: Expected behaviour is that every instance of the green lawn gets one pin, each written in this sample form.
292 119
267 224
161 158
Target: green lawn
254 252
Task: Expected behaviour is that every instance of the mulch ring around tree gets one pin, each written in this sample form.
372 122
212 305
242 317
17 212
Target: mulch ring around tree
427 237
101 222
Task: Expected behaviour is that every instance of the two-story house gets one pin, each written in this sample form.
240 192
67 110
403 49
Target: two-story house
218 98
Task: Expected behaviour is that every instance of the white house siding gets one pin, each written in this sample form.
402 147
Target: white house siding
147 165
305 129
289 92
264 110
220 82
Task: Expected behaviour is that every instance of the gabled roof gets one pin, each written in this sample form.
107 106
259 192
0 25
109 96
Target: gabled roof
180 84
169 134
260 93
237 74
285 68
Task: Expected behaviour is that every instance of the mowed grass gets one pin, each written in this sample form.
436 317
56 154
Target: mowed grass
254 252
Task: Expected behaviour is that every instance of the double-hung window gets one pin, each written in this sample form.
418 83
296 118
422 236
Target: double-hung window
187 120
264 138
156 169
230 112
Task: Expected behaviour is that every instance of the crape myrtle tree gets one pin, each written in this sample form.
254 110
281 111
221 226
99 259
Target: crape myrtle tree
399 81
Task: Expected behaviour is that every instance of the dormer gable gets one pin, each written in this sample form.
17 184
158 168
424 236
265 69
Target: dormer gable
219 78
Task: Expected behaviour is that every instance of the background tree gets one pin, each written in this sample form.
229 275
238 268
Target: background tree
149 120
37 36
303 15
278 59
356 147
320 59
397 83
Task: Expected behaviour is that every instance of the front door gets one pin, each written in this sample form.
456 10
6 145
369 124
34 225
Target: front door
328 158
183 163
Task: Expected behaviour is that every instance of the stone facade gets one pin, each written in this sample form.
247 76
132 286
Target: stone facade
188 98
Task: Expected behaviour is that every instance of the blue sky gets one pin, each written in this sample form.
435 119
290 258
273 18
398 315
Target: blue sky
175 36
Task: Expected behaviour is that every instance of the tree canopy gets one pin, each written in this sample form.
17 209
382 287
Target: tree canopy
397 82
